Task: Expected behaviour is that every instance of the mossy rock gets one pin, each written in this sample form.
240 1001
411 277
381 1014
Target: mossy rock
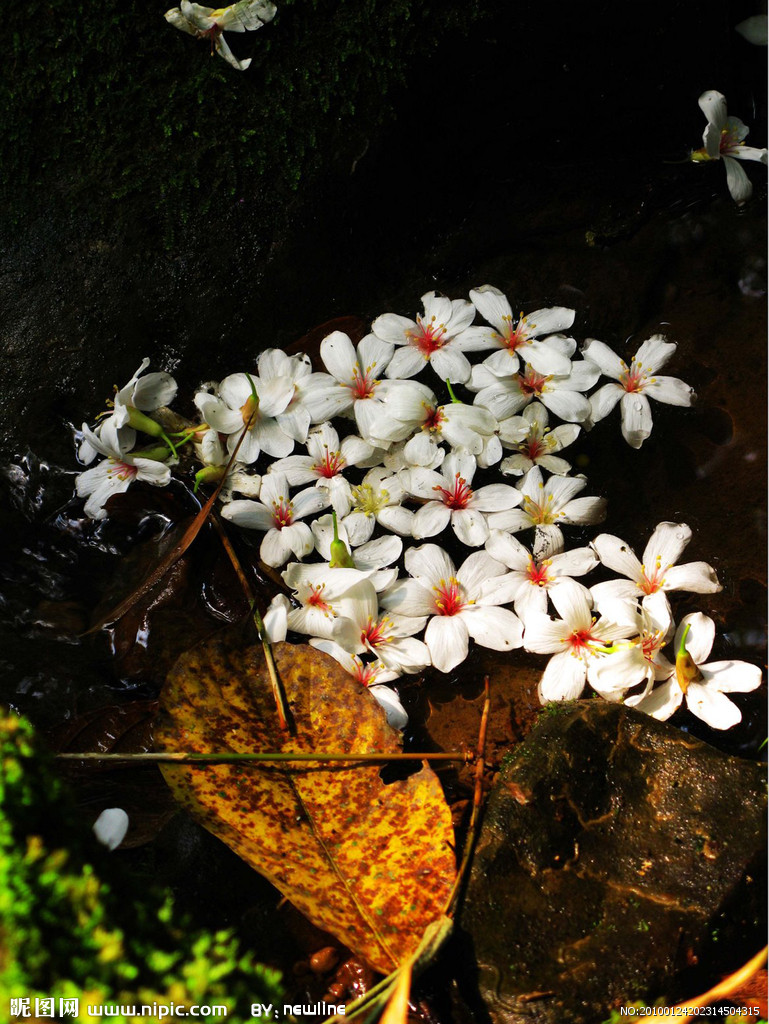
111 111
611 857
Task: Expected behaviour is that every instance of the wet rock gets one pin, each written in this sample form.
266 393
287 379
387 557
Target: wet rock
609 849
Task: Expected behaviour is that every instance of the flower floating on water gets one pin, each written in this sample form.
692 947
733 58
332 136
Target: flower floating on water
373 456
279 516
657 572
118 471
541 575
435 338
535 442
505 395
461 603
636 384
703 686
724 139
548 506
210 23
139 396
577 642
522 337
450 498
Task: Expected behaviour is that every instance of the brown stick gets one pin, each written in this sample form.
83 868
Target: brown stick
477 803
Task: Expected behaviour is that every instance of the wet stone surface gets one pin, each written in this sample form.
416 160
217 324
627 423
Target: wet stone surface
609 852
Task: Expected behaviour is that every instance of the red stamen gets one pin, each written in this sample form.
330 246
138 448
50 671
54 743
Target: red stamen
428 338
457 496
538 574
123 471
448 599
330 465
531 382
315 600
362 385
282 514
435 419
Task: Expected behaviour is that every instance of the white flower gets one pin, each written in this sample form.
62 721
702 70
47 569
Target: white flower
274 365
395 458
234 406
541 575
111 826
640 660
524 337
461 603
724 138
576 640
637 383
318 590
657 572
208 23
434 338
703 685
145 394
530 434
278 515
275 619
325 464
506 395
360 627
378 500
462 426
354 382
116 473
549 505
451 499
465 427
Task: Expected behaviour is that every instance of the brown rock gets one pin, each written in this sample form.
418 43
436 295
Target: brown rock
610 846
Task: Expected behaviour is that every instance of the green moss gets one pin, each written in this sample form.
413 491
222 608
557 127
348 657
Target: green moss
69 929
109 106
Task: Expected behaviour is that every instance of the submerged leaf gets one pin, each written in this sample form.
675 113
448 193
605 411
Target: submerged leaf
369 862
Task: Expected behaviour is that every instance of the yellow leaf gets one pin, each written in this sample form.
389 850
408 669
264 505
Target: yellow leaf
370 863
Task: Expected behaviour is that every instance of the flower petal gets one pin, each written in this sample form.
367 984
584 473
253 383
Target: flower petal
496 628
671 391
712 706
732 676
447 640
563 679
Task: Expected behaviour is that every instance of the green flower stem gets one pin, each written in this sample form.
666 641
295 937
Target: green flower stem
682 646
451 393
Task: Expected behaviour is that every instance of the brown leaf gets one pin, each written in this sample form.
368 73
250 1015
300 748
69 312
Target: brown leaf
139 790
370 863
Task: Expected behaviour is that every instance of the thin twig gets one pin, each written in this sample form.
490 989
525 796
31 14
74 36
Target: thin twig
281 704
181 757
472 831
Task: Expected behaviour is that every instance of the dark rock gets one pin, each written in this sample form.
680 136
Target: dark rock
609 848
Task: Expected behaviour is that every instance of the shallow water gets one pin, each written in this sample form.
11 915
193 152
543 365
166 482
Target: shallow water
636 247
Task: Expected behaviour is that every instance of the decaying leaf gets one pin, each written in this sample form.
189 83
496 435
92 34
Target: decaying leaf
370 863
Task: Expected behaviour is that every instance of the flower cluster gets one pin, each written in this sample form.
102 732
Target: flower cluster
376 487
